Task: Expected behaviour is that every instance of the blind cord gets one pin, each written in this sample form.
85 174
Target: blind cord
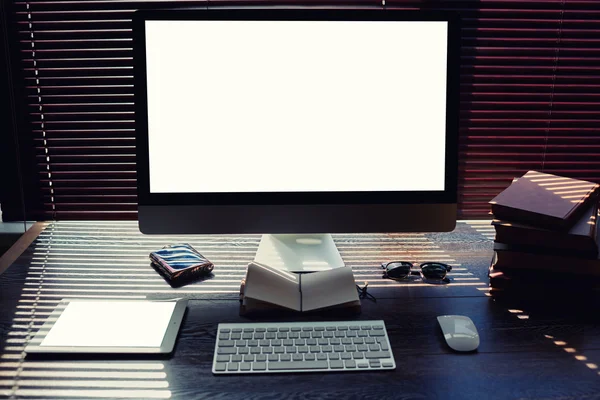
41 110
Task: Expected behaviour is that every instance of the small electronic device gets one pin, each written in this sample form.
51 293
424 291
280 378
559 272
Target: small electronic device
180 263
249 348
459 332
110 326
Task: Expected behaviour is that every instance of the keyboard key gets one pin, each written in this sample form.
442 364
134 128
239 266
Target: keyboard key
270 335
299 342
336 364
311 342
261 357
328 334
284 329
260 330
236 330
309 357
334 356
346 356
316 335
223 358
340 334
260 366
378 354
362 347
240 343
271 329
264 343
224 336
351 334
295 329
249 357
254 350
374 363
338 349
326 349
288 342
363 333
346 341
226 343
259 336
297 357
307 329
331 328
285 357
357 355
358 340
225 330
226 350
362 365
232 366
282 335
245 366
334 341
276 342
294 365
267 350
322 342
279 350
290 349
315 349
342 328
273 357
319 328
248 329
236 358
376 333
252 343
235 336
350 364
303 349
294 335
220 366
377 327
365 327
243 350
350 349
369 340
387 364
304 335
373 347
321 356
354 328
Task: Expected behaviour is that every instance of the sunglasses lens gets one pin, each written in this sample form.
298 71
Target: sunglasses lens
434 270
397 270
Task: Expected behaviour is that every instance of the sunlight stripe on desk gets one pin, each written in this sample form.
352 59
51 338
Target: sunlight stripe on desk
79 373
135 365
79 393
137 384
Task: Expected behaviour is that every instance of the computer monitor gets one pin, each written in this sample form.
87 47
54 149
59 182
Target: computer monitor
296 121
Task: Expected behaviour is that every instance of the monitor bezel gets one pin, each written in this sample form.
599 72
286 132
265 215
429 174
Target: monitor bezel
447 196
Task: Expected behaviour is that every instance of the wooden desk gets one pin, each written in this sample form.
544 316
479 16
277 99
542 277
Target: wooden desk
537 352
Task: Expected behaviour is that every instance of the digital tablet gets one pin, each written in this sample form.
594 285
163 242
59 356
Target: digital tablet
110 326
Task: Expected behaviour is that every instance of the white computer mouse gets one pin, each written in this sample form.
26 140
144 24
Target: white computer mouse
460 332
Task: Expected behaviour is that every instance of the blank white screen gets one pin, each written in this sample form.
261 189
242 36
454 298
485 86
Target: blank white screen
293 106
111 324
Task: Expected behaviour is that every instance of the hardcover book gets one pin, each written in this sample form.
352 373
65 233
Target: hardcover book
580 239
545 200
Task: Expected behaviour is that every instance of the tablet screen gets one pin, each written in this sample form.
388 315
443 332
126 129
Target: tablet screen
111 324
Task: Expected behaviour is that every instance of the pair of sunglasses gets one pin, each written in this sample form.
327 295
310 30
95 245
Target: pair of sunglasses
399 270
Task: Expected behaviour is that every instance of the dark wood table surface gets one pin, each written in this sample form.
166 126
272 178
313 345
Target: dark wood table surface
545 348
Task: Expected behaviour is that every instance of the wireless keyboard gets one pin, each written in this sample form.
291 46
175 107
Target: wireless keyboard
249 348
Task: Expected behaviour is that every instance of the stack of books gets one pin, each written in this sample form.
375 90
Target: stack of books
547 234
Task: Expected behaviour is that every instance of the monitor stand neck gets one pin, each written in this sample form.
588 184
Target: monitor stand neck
299 253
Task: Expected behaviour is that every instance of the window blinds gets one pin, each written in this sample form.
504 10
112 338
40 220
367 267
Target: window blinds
530 96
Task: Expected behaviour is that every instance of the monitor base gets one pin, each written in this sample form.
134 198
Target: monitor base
299 253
